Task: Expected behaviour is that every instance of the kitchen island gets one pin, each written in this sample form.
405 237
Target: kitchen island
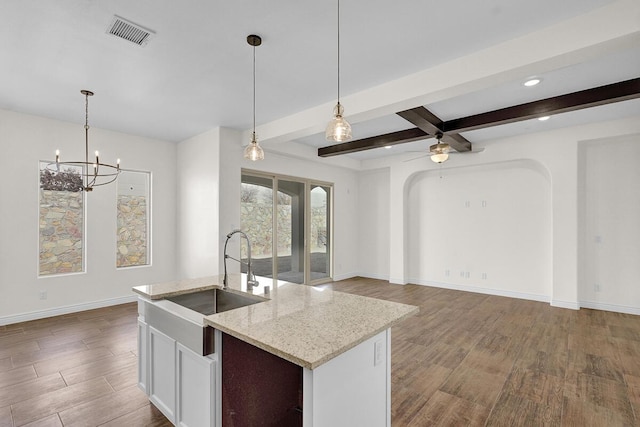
333 347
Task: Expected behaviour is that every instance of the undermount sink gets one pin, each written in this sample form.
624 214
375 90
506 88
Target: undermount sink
215 301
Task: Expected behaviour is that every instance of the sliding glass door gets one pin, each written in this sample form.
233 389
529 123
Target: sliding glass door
291 218
290 200
320 232
256 219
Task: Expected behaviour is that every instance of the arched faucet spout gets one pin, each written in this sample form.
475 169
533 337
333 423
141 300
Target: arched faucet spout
251 278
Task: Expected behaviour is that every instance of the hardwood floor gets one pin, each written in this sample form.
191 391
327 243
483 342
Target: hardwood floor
74 370
465 359
473 359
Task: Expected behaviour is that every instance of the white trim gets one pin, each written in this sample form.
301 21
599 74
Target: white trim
573 305
396 281
34 315
374 276
338 277
610 307
483 290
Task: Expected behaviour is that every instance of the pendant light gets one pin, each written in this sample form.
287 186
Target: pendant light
94 173
253 151
338 129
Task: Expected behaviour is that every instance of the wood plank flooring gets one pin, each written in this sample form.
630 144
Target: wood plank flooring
480 360
74 370
466 359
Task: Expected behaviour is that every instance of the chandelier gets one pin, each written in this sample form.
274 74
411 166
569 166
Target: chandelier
94 173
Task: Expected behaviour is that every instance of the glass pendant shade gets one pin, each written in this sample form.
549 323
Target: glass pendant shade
253 151
338 129
439 152
439 158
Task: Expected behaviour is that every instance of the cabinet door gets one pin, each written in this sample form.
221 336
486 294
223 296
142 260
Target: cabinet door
142 356
162 372
195 391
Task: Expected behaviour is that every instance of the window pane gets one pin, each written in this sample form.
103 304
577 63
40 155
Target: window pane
256 219
291 252
133 219
320 232
61 229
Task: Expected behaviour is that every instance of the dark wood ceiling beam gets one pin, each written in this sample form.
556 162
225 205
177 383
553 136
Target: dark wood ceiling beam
431 124
616 92
393 138
428 124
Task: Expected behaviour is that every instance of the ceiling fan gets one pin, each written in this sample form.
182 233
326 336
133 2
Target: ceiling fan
440 151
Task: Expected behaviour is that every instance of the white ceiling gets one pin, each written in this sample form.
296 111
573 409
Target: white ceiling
196 72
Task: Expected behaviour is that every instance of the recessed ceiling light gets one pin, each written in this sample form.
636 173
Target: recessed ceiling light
387 147
544 118
532 82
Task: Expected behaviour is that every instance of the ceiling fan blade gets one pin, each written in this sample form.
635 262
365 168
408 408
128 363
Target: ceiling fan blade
473 151
415 158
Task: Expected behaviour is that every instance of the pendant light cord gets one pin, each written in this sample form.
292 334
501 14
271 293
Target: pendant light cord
254 92
338 50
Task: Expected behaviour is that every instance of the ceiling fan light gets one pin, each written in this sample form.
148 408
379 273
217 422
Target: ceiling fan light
439 152
253 151
338 129
439 157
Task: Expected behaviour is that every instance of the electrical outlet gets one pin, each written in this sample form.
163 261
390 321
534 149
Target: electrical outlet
466 275
378 350
484 203
446 273
43 294
596 287
484 276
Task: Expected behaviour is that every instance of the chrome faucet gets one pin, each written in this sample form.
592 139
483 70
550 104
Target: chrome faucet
251 278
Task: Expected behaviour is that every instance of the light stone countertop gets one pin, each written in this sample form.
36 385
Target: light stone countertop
305 325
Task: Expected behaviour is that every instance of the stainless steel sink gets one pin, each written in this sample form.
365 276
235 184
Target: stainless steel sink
185 323
215 301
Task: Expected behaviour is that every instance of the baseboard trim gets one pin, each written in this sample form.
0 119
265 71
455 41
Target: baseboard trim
373 276
572 305
610 307
58 311
338 277
480 290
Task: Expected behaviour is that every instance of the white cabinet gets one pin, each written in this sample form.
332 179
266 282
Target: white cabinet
179 382
195 389
352 389
143 367
162 372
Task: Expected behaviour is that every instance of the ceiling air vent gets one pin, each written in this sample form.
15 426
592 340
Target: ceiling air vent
129 31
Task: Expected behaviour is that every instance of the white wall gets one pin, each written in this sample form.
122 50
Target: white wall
27 139
373 223
610 231
556 154
198 162
486 227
